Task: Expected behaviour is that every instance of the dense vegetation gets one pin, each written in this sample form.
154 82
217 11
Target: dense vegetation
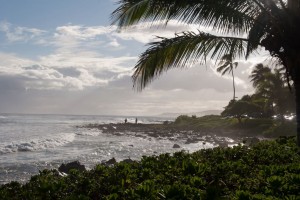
265 127
267 170
272 96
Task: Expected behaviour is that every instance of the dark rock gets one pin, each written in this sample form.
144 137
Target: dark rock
131 145
127 160
140 136
250 141
111 162
223 145
190 141
176 146
166 122
154 134
65 168
118 133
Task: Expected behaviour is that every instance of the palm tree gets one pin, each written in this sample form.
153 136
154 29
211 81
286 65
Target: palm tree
271 86
242 27
226 65
259 78
258 74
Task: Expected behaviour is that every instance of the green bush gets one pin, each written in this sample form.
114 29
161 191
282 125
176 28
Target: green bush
267 170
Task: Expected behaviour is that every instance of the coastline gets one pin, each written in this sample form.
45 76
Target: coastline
216 136
98 140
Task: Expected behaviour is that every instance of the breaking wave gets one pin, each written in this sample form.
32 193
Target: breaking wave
37 144
89 133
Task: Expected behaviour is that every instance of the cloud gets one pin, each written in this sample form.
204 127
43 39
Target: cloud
201 77
114 43
82 32
73 49
18 33
87 69
146 32
83 37
143 32
63 73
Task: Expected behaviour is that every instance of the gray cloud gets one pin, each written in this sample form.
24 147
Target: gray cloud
202 77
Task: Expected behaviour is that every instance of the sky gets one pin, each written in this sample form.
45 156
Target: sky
65 57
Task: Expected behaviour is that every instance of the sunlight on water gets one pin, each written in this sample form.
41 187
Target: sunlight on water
29 143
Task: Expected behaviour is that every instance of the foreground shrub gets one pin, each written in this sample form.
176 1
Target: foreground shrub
268 170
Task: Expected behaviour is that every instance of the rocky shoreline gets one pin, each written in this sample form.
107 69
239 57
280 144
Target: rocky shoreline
222 138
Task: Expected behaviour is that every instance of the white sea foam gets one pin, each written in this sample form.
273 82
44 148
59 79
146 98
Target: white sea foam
227 139
89 133
38 144
49 139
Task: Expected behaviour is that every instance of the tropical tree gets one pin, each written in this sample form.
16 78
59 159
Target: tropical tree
241 26
226 65
270 86
261 81
241 109
258 74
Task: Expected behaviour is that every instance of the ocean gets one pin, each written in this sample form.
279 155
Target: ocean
31 143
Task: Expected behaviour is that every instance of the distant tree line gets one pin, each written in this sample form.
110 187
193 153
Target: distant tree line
272 97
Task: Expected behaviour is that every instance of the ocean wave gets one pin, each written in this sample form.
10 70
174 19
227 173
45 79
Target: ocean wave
37 144
89 133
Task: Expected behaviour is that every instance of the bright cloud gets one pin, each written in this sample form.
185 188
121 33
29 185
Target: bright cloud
81 32
145 32
81 48
23 34
45 73
91 67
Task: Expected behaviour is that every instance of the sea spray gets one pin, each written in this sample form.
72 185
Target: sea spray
37 144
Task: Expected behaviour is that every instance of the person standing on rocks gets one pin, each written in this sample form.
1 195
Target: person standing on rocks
136 120
125 120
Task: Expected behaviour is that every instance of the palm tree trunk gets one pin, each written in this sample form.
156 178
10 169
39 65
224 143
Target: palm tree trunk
233 83
294 64
294 6
297 94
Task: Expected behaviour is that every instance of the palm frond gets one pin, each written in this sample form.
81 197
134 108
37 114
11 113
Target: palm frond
272 5
257 32
225 68
227 16
259 74
225 64
183 51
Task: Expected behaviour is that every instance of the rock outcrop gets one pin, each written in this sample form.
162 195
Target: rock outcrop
65 168
176 146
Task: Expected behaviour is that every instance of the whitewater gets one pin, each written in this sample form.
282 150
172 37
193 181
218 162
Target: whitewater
31 143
